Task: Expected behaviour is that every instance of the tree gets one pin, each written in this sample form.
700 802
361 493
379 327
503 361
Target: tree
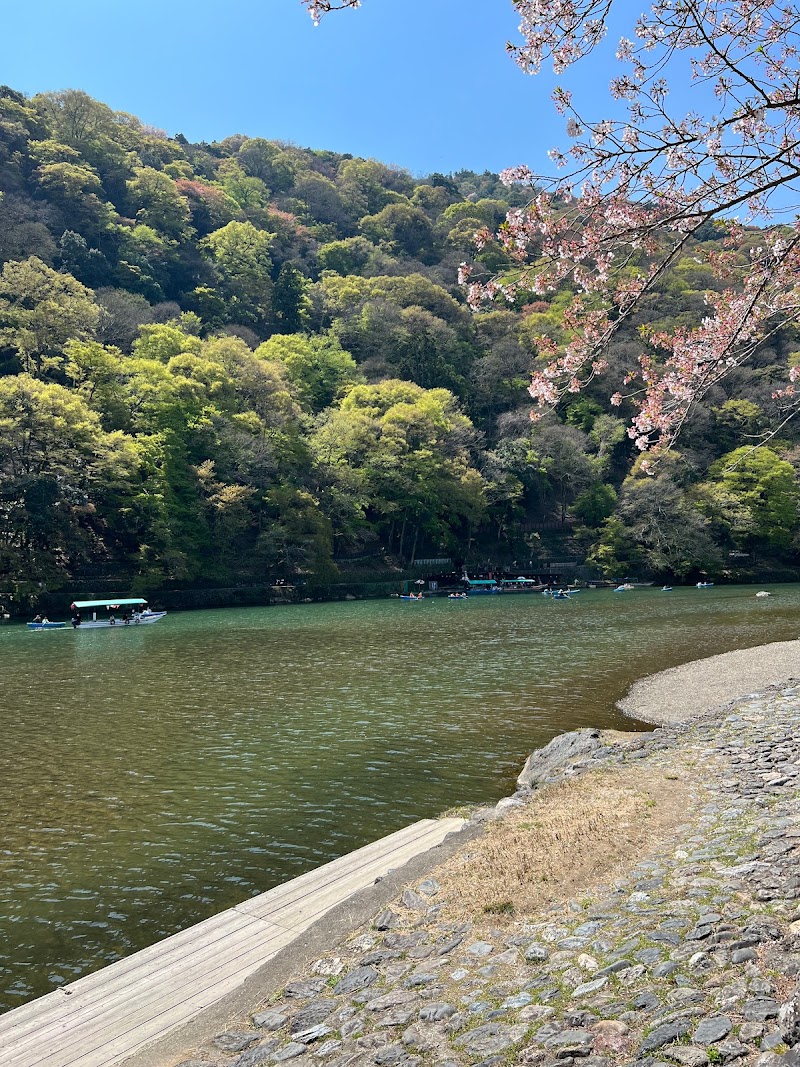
346 257
289 300
57 466
158 203
404 453
403 229
635 189
561 452
755 494
670 535
40 310
319 367
241 254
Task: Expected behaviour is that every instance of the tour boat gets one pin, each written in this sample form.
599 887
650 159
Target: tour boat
135 613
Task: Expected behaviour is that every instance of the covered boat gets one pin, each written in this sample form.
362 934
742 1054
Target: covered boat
127 611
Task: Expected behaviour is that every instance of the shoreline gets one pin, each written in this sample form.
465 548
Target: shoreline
688 946
675 698
684 693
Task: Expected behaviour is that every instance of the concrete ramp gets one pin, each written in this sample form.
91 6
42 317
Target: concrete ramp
106 1017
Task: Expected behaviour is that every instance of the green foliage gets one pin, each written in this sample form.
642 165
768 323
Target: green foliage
401 228
58 469
40 310
241 256
318 366
246 360
754 493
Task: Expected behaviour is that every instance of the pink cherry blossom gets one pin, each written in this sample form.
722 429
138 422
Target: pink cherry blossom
635 189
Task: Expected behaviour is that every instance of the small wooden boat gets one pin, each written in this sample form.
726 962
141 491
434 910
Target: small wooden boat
457 596
666 588
624 588
704 585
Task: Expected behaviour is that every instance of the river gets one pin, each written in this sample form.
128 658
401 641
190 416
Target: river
152 776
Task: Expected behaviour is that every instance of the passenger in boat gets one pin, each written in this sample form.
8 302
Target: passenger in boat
112 620
76 620
44 620
37 618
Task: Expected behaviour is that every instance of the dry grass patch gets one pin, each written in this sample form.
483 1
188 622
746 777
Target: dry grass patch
567 838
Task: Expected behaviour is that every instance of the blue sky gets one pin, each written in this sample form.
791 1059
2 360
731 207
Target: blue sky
425 84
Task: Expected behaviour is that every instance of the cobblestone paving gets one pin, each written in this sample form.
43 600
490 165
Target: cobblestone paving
691 958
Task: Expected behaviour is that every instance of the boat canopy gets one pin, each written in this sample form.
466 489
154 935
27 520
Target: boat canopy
115 602
481 581
522 581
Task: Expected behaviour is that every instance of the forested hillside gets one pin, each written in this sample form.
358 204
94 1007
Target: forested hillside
250 362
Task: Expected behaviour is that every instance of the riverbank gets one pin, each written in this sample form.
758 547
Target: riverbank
692 689
635 903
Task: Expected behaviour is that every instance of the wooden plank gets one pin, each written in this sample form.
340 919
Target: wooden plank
141 967
151 962
103 1018
368 864
214 928
300 912
85 1009
352 861
138 1018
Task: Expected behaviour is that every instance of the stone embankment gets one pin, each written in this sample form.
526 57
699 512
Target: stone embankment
681 946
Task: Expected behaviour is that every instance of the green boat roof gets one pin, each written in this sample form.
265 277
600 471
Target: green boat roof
115 602
481 581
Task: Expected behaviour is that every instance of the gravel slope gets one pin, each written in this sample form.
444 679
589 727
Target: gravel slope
686 692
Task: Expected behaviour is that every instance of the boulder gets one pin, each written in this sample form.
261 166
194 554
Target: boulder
541 766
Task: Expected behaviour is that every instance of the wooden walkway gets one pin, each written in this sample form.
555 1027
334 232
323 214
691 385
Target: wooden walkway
105 1017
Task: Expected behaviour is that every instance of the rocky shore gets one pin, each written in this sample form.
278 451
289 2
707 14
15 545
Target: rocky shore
666 931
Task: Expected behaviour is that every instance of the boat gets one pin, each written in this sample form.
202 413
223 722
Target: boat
520 585
666 588
762 593
624 588
416 599
561 594
138 615
482 586
457 596
704 585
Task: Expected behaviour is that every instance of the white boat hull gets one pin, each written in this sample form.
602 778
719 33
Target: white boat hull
101 624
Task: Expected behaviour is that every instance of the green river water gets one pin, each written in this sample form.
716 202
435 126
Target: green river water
152 776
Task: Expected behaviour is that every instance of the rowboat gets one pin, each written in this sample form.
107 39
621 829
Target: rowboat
135 612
